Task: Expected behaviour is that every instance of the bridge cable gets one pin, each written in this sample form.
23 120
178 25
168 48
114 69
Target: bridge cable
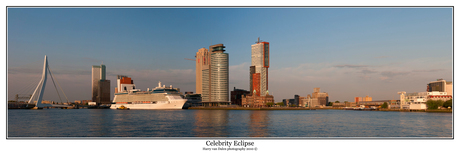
55 85
58 84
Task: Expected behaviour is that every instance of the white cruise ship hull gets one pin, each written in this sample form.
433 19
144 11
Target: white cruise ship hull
176 104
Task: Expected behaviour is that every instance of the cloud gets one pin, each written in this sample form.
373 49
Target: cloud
365 77
391 74
431 70
367 71
363 68
350 66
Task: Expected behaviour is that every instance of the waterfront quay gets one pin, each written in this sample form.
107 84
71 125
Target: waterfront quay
252 108
306 108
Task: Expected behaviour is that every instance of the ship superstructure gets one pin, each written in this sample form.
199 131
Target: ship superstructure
161 97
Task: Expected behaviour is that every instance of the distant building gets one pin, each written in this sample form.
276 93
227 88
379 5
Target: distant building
435 95
317 99
193 100
236 96
441 86
418 100
367 98
323 97
84 102
288 102
100 86
358 99
292 102
308 101
256 101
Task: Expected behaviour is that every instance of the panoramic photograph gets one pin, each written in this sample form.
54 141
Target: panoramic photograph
229 72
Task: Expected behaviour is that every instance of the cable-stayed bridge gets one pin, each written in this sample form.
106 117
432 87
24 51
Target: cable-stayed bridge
37 96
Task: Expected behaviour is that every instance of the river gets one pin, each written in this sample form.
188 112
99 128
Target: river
71 123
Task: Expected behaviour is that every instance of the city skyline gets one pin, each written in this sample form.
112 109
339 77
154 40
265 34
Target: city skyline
347 52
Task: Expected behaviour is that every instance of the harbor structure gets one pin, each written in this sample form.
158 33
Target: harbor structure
100 86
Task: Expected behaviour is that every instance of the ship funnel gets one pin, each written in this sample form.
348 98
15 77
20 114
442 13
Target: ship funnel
159 83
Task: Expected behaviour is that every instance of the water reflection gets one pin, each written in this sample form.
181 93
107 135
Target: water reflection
259 122
226 123
101 122
211 123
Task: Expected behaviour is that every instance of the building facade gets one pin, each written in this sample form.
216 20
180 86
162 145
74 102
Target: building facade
258 76
361 99
440 85
367 98
201 60
322 98
100 86
260 62
214 75
236 96
256 101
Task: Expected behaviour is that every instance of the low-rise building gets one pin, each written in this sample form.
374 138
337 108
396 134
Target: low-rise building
256 101
418 100
236 96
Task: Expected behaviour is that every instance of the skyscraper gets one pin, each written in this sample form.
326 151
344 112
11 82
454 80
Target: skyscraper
100 86
260 62
258 77
219 73
214 75
201 58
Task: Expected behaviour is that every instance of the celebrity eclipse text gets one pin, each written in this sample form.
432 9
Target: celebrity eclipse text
237 145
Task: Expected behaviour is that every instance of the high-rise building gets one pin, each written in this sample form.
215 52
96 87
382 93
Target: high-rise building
219 73
258 76
260 62
100 86
214 75
201 60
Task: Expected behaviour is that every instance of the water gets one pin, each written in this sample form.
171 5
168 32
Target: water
226 123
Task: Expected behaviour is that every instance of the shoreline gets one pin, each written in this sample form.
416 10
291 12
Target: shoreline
295 108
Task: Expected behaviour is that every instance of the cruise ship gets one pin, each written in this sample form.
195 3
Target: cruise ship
161 97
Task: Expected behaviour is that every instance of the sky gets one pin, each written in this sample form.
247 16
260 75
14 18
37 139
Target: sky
347 52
